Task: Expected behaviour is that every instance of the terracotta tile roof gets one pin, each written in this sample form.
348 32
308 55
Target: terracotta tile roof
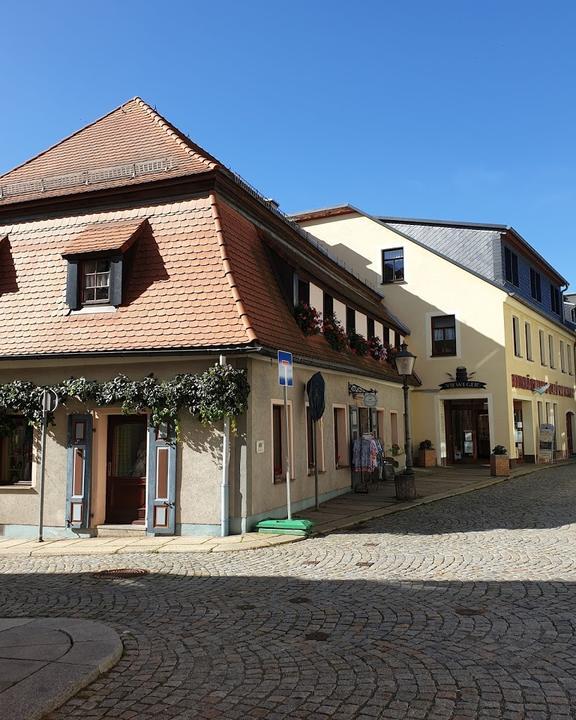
176 294
104 237
266 309
200 277
131 145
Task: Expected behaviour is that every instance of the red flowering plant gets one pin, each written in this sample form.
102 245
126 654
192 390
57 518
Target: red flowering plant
308 319
334 333
377 349
358 343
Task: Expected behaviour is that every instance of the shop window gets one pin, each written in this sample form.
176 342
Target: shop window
443 335
319 442
341 449
528 334
16 452
551 351
380 426
511 266
535 285
393 265
394 428
279 439
542 347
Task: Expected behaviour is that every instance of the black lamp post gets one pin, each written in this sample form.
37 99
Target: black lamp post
405 483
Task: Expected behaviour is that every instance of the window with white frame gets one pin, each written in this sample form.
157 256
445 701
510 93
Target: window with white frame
281 441
528 336
562 358
542 347
341 446
551 351
16 443
318 436
516 334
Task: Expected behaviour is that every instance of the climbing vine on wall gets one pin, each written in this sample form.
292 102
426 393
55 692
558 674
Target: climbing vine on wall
219 392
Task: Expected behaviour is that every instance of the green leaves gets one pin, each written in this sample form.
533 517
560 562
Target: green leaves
217 393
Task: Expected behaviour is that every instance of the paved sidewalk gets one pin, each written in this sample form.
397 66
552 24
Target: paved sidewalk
123 545
45 661
344 511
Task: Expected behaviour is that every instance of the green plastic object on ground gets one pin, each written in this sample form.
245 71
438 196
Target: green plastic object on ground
285 527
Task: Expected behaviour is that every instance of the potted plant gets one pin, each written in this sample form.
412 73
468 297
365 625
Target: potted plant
376 348
334 333
308 319
427 454
499 463
357 343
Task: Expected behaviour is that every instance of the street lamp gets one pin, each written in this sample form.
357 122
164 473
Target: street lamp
405 484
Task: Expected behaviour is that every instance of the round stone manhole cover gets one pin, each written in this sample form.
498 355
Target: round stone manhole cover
120 573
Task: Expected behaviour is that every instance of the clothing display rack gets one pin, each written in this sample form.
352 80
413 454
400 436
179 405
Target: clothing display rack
367 462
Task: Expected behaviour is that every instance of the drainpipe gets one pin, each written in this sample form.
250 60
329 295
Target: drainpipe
225 485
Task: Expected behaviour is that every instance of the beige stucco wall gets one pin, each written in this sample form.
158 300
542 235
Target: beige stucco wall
199 452
537 370
433 286
269 497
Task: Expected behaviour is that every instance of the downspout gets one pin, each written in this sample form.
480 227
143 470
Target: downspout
225 484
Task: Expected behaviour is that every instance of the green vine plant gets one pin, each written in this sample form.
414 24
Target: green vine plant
213 395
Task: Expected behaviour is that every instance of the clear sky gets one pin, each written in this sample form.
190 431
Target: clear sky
454 109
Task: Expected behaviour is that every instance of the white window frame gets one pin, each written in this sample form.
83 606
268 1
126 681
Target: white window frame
275 402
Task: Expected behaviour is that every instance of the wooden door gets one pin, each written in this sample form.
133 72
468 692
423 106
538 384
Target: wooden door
570 433
126 469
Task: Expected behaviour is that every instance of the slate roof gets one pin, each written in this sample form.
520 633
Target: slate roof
472 246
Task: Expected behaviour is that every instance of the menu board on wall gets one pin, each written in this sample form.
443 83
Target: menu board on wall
546 447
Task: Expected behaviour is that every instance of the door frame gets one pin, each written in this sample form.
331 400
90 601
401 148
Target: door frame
440 418
145 417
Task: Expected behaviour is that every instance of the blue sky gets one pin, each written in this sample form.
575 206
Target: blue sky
449 109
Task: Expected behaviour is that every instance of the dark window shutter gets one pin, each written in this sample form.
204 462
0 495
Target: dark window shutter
116 281
72 294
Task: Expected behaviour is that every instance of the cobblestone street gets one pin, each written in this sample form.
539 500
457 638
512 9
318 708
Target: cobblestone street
461 609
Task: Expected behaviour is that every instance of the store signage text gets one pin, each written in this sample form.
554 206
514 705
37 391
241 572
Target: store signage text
527 383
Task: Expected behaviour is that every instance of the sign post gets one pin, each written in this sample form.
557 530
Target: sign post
49 404
286 379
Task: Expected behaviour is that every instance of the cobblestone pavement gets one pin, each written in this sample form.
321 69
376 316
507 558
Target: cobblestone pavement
457 610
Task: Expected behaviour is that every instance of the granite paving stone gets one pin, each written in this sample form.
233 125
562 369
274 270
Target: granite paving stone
462 609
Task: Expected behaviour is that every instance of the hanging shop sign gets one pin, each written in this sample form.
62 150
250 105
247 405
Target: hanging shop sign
462 379
354 389
540 387
370 399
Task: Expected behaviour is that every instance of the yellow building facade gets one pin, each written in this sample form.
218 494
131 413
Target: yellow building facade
494 369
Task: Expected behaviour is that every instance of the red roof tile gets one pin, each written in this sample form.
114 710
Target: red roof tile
104 237
131 145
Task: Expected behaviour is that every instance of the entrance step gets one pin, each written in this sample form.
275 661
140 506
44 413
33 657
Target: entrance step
133 531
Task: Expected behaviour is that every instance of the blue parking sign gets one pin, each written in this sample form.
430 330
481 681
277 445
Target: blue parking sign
285 368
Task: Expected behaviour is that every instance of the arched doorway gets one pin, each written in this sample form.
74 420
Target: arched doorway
570 433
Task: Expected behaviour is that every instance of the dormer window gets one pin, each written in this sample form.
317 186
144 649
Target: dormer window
96 263
95 282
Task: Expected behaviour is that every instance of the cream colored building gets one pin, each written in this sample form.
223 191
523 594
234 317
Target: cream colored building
495 350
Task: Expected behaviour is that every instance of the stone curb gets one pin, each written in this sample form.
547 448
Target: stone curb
53 675
360 519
